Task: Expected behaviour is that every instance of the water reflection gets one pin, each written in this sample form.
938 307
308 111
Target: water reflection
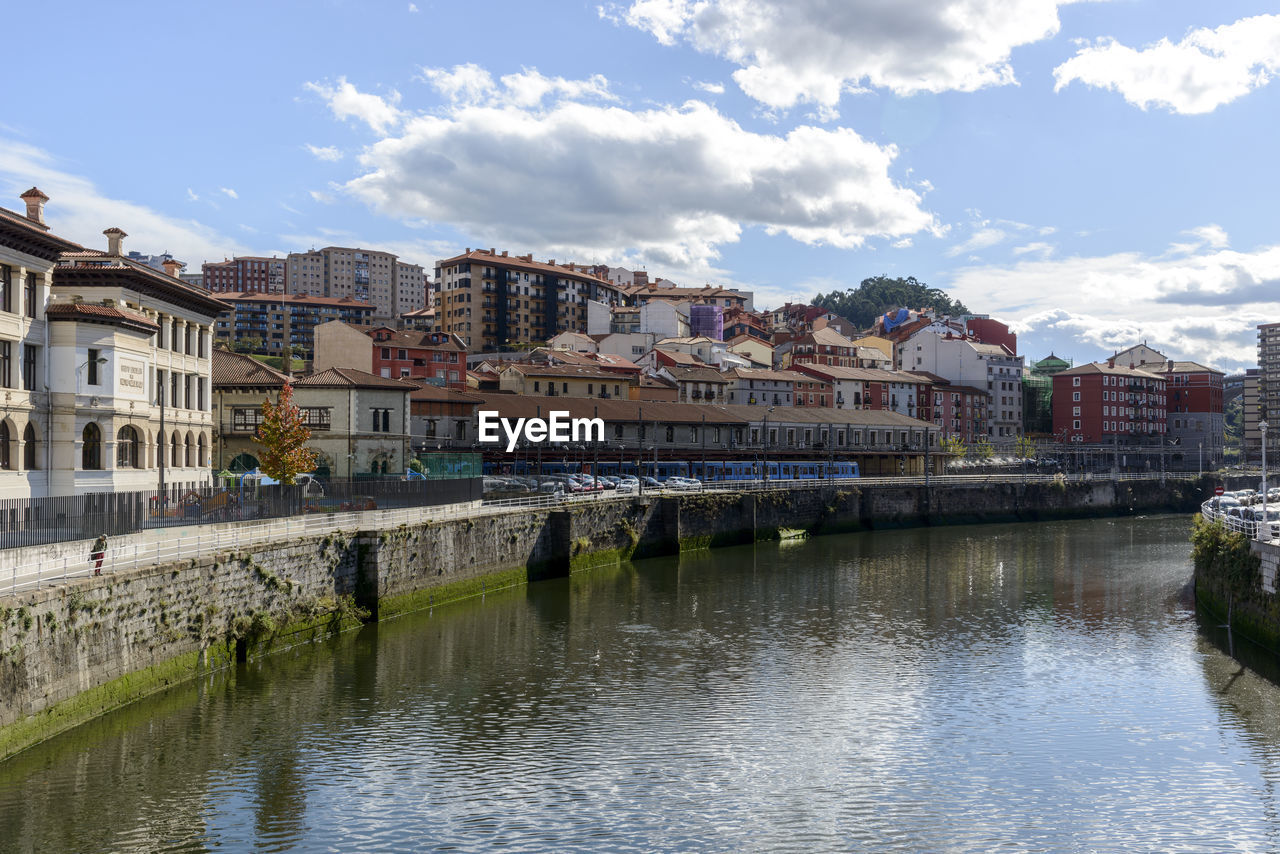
1032 687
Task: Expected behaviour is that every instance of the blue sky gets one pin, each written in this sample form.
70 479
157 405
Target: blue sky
1093 173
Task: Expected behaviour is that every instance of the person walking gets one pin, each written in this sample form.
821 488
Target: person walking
97 552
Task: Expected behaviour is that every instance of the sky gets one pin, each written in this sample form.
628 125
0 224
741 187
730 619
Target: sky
1094 174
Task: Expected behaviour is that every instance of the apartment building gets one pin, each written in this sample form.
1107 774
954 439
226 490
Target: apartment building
247 274
1106 402
495 301
1196 426
437 357
1268 382
380 279
277 319
963 361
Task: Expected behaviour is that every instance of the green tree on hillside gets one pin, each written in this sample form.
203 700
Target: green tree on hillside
874 296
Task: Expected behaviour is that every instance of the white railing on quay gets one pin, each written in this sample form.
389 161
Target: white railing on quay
1251 528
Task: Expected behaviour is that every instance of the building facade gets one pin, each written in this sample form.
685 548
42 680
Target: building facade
380 279
1103 402
495 301
274 319
246 274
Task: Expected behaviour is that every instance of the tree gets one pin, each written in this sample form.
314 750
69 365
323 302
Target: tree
953 445
878 294
248 344
1025 448
283 438
982 449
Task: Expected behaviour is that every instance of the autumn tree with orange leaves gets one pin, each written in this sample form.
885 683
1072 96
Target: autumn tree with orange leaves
283 438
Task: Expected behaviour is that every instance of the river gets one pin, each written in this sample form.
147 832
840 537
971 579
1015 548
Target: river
1036 687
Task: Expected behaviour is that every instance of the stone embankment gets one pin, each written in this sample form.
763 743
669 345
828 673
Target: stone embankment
76 650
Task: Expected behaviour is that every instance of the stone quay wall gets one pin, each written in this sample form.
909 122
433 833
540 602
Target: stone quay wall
75 650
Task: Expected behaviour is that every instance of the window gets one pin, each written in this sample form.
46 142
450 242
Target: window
174 340
381 420
190 458
1075 425
174 455
1075 381
6 364
127 448
671 434
29 366
29 447
6 462
6 287
91 447
1075 396
29 295
93 368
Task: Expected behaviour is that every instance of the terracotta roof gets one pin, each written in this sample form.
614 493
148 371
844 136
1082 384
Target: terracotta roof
1104 368
101 313
304 299
525 262
697 374
664 412
442 394
1186 368
567 371
352 378
679 358
27 233
236 369
89 269
417 339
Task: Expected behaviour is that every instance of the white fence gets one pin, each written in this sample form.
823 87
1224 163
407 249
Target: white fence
1254 530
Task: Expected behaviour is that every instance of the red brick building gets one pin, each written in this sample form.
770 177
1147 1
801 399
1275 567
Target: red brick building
427 355
1103 402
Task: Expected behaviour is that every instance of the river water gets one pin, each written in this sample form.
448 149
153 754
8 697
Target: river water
1036 687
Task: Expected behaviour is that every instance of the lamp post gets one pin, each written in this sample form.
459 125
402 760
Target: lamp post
1262 426
1200 457
764 436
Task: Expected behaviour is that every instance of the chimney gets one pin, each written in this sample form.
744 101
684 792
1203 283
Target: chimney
468 252
35 204
172 266
504 253
115 240
492 251
1111 363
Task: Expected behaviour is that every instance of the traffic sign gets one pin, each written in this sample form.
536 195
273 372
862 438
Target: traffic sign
1217 490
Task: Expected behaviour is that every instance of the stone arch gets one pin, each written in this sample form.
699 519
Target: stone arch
243 462
175 450
189 448
202 450
127 443
91 447
31 447
8 433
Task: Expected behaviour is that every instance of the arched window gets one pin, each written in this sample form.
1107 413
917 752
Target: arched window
175 453
29 448
127 448
200 455
190 459
6 459
91 447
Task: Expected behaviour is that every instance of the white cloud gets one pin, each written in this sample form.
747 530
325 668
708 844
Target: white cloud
982 238
413 7
327 153
711 88
322 198
1205 70
1044 250
345 101
794 51
78 211
904 243
667 185
471 85
227 191
1203 306
191 195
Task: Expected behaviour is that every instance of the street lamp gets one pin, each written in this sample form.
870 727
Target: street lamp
765 437
1262 426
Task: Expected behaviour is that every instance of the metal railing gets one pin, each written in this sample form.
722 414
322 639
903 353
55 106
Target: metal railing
1251 528
197 540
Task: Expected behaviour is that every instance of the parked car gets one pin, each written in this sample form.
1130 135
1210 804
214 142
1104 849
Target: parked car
687 483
